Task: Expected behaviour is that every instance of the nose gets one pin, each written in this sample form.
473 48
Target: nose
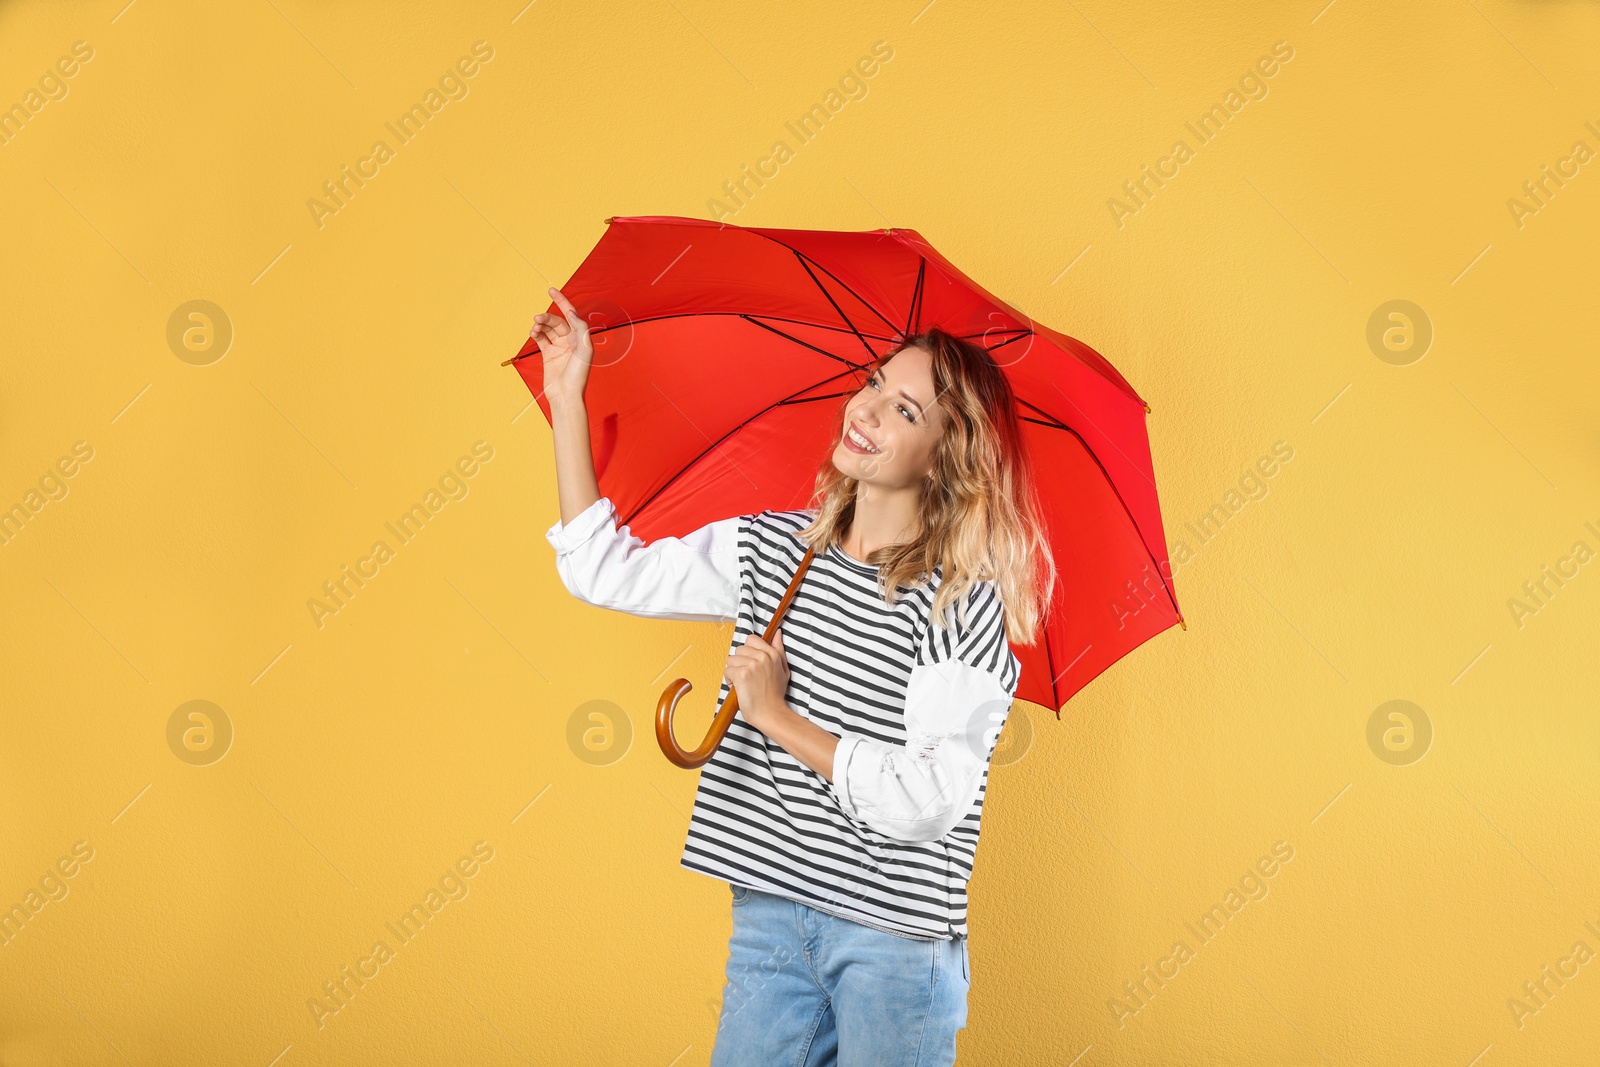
867 412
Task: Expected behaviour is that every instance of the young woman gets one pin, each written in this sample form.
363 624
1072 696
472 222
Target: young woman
842 806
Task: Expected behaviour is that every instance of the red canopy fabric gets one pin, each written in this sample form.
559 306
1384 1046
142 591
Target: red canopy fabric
722 353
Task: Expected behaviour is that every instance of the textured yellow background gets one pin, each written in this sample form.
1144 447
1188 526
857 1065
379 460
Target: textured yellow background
430 713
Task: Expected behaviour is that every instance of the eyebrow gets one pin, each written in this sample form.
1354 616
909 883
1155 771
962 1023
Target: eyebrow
879 370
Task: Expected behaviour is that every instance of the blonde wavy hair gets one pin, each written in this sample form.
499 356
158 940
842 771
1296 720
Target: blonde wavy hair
980 512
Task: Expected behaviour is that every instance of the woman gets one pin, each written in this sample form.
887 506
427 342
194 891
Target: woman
843 804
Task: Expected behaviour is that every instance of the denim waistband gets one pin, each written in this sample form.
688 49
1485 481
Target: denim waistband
850 917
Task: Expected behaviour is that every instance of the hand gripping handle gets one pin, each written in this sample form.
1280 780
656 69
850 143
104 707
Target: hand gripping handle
668 703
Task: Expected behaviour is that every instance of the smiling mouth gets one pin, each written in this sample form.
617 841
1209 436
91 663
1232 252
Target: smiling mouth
860 440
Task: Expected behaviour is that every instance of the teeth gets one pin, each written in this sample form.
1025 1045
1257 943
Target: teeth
862 441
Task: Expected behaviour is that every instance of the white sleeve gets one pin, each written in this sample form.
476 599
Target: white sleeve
694 578
955 706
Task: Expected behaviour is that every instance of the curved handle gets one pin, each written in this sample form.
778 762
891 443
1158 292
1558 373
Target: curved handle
668 704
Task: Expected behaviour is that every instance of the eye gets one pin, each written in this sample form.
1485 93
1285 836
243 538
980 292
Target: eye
907 412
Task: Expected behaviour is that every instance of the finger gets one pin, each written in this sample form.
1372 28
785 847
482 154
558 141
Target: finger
554 325
546 339
567 309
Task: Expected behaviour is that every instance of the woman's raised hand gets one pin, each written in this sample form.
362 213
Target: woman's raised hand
568 353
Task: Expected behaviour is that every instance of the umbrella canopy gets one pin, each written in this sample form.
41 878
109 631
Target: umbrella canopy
722 353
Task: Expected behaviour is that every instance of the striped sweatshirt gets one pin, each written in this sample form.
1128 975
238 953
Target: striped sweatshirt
890 841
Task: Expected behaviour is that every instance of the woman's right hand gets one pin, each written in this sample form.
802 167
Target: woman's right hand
568 353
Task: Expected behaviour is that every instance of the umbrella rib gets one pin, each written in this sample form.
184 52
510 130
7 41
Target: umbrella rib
1050 665
845 286
802 322
740 314
1019 331
835 304
1122 386
811 399
1060 425
1057 424
1010 340
914 316
1053 421
712 447
804 344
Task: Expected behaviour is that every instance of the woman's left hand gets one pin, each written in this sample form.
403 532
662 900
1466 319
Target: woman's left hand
759 672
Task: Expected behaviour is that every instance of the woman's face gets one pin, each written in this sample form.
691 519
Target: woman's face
896 412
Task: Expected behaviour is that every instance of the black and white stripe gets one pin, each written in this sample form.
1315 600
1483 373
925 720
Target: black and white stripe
765 820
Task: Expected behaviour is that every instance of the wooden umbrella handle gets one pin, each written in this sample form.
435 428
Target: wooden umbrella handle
668 704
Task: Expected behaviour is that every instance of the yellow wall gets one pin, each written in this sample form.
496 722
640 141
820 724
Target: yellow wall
374 751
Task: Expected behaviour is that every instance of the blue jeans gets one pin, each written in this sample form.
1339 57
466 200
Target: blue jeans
809 989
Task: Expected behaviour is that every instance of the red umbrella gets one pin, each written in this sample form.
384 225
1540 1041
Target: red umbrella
721 353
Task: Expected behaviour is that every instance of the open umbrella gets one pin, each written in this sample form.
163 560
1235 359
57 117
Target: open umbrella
722 352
